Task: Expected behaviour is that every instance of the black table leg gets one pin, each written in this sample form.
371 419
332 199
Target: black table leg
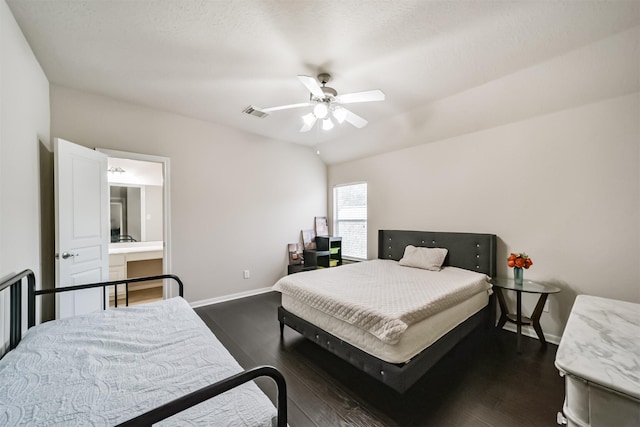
519 320
503 308
535 318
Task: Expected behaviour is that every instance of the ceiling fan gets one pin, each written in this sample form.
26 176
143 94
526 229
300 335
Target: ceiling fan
326 102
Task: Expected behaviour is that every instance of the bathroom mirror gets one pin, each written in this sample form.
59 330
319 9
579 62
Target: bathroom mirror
135 201
126 214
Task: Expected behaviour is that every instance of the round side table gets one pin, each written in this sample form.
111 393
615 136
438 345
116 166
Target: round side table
528 286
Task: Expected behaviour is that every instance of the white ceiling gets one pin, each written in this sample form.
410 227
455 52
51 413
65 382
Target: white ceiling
210 59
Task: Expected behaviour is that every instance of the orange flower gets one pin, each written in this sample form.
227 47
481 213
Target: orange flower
520 260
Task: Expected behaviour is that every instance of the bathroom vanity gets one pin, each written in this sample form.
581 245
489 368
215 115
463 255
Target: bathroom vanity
135 259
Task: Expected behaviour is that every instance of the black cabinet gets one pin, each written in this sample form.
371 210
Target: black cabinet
328 253
296 268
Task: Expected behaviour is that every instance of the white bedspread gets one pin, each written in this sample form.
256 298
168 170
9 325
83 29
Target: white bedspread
107 367
381 296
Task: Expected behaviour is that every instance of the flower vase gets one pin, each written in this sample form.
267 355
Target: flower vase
517 275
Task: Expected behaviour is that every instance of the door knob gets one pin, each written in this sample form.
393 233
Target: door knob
66 255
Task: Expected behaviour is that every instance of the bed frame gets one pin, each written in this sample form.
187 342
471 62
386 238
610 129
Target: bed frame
15 285
471 251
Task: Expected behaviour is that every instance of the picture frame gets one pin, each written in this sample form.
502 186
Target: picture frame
322 227
308 239
295 254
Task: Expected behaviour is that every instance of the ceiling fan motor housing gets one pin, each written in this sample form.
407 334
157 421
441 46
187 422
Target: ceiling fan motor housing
330 92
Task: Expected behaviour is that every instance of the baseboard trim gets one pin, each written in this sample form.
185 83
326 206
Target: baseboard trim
530 332
231 297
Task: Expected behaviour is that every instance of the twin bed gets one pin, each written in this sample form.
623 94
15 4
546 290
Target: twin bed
129 366
393 317
396 316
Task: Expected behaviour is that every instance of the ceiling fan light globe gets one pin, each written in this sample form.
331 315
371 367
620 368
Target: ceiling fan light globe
327 124
340 114
320 110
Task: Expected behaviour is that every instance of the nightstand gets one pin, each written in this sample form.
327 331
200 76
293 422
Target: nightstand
527 286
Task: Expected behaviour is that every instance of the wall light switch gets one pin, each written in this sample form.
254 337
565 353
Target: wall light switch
247 274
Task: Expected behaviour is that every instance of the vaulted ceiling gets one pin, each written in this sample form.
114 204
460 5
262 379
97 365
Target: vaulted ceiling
210 59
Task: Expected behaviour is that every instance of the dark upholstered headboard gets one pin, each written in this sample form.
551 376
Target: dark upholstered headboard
471 251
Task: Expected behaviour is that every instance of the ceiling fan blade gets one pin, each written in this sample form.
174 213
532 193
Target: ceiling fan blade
313 86
354 119
309 121
366 96
287 107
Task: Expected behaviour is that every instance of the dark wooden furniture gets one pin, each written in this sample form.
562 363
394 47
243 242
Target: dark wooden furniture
471 251
334 246
328 253
15 285
517 318
297 268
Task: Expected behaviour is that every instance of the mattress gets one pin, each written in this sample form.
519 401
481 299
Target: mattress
416 337
107 367
390 311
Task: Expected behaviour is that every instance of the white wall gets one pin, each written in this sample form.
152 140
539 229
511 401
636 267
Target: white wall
24 122
236 199
563 187
153 212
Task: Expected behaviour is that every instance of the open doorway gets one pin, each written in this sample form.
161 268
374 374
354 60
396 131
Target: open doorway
139 230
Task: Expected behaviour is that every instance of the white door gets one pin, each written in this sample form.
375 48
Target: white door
82 225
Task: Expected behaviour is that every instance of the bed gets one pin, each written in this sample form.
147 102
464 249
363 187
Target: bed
139 365
372 314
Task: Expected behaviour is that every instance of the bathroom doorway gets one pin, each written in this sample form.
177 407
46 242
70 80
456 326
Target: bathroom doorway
140 218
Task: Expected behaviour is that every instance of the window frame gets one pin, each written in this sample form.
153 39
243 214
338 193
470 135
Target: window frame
336 220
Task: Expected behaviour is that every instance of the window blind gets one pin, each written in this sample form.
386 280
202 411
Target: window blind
350 219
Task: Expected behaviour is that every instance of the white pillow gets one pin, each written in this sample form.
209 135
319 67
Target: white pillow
426 258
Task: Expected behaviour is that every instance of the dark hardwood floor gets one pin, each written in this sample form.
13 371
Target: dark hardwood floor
481 382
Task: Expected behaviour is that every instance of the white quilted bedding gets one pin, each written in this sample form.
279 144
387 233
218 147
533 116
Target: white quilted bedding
416 338
381 296
110 366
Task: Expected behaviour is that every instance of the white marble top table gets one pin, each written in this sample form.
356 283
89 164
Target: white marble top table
601 344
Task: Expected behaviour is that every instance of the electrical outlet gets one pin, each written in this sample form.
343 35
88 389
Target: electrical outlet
247 274
546 306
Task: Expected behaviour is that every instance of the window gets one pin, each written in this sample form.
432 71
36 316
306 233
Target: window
350 219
